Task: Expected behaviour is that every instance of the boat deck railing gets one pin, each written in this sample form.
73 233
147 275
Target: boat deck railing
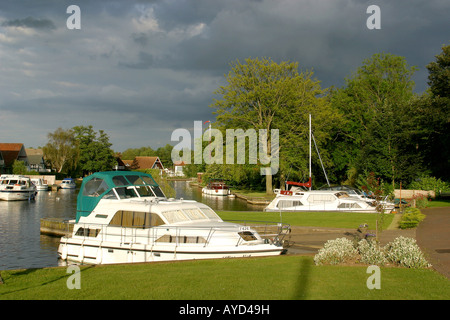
270 232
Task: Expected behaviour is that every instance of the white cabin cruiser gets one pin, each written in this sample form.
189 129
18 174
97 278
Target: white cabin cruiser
387 205
40 184
216 187
297 199
67 183
124 217
16 187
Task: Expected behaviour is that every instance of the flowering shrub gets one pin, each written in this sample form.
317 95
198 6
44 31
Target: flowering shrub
402 251
406 253
336 251
371 253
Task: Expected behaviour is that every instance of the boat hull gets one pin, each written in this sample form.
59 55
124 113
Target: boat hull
216 192
92 252
15 195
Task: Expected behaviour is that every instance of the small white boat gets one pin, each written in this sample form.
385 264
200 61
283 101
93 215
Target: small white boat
216 187
387 205
124 217
67 183
40 185
296 199
16 187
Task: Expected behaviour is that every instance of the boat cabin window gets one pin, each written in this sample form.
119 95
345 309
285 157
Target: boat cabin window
148 180
136 219
174 216
321 198
144 191
126 192
341 195
289 203
349 205
120 181
110 195
158 192
95 187
136 180
210 213
195 214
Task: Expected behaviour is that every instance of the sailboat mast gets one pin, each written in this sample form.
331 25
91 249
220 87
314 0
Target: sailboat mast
310 174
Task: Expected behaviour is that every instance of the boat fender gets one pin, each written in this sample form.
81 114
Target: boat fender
64 252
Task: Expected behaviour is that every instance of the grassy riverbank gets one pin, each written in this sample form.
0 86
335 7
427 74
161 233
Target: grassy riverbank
271 278
349 220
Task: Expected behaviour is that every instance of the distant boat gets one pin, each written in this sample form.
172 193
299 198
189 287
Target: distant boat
318 200
67 183
40 185
16 187
217 187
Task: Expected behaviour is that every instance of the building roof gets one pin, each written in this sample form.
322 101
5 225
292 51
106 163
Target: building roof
148 163
10 152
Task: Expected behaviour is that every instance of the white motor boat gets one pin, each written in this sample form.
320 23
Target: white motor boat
297 199
124 217
16 187
67 183
40 185
216 187
387 205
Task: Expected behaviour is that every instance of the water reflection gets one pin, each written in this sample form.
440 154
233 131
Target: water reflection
22 245
221 203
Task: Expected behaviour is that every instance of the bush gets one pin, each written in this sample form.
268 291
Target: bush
403 252
371 253
430 183
336 251
406 253
411 218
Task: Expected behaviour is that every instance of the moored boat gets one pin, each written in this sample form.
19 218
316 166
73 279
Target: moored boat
67 183
216 187
16 187
40 184
297 199
124 217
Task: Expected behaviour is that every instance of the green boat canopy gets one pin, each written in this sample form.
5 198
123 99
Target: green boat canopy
100 185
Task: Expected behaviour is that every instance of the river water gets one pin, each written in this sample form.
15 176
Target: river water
22 245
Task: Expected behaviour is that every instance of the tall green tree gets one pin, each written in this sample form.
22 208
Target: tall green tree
263 94
376 104
61 150
94 149
436 110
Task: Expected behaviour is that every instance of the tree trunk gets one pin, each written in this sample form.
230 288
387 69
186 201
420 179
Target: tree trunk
269 184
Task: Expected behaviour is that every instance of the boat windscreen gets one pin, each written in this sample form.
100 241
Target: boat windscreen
95 187
120 181
158 192
144 191
126 192
136 180
148 180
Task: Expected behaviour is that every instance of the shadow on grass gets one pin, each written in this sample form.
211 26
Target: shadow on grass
27 272
303 281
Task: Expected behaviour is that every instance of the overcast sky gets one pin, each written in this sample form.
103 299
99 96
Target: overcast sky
140 69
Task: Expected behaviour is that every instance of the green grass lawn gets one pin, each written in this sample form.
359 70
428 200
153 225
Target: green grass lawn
350 220
438 203
268 278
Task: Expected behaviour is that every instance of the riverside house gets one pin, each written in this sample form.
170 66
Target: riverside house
11 152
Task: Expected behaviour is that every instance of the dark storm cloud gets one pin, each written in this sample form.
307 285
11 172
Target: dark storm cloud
30 22
154 65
